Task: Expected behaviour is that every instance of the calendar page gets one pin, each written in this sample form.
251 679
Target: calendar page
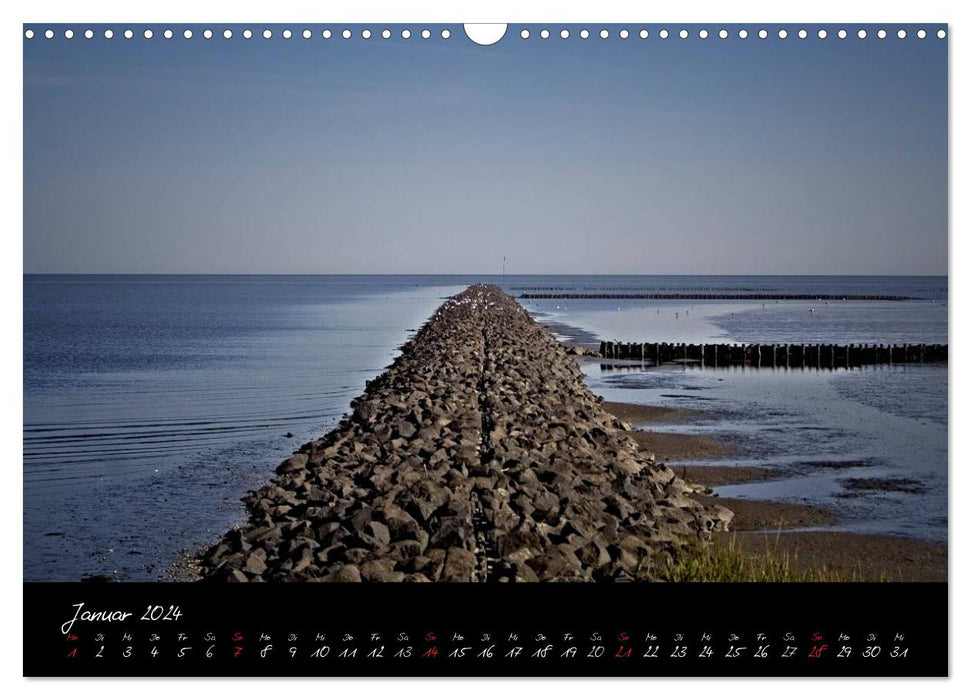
485 350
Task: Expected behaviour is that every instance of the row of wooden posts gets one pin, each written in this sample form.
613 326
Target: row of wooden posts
699 296
787 355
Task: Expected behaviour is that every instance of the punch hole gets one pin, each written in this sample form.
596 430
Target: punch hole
386 34
524 34
683 34
49 34
168 34
743 33
366 34
564 34
821 33
446 34
921 34
663 33
425 34
604 34
287 34
584 34
545 34
644 34
624 33
346 33
307 34
109 34
207 34
267 34
148 34
326 34
941 34
405 33
723 34
247 34
861 33
68 33
882 34
489 34
29 34
763 34
841 33
187 34
902 34
228 34
703 34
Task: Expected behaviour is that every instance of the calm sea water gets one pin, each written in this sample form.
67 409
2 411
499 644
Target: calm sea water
152 404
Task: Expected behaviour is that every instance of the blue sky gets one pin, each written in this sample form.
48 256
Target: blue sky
432 156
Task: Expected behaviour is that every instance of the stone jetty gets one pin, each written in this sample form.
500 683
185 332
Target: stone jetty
479 455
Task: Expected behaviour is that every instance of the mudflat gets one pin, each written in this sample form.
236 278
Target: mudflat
802 534
681 446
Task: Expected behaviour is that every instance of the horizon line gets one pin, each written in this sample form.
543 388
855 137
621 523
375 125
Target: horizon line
473 274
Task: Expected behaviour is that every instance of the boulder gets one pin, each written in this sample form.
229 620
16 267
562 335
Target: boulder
460 565
295 463
345 574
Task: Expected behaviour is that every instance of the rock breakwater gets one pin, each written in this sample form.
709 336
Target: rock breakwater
479 455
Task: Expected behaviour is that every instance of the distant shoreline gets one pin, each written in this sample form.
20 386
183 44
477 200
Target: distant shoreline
490 275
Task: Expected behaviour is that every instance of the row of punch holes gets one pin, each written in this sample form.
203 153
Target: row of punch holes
446 34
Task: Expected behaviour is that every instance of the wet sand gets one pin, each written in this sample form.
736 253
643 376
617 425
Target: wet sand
712 476
680 446
666 445
635 413
761 526
771 515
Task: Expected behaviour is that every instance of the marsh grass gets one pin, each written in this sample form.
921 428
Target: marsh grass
728 563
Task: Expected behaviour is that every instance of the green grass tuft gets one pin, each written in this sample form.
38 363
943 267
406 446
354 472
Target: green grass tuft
727 563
